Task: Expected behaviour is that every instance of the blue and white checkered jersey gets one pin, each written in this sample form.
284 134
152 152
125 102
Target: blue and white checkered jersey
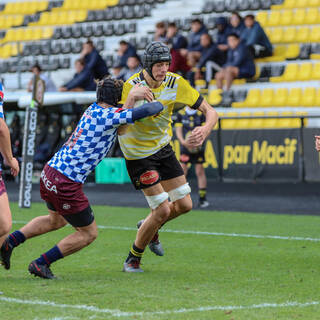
90 141
1 108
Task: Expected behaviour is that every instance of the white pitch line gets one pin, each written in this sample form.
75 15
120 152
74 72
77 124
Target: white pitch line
118 313
207 233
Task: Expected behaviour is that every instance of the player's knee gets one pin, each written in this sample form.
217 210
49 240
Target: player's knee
183 206
5 227
161 214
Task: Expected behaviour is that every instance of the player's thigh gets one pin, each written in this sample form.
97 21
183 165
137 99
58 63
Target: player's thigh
5 214
56 219
174 183
199 169
90 232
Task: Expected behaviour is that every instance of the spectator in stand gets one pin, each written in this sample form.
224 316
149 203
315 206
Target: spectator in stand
224 29
37 71
176 42
133 67
255 38
236 22
211 58
93 60
82 80
160 32
125 51
239 63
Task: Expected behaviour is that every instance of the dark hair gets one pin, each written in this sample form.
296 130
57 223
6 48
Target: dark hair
172 24
233 34
236 14
36 65
90 42
123 42
250 16
197 20
160 24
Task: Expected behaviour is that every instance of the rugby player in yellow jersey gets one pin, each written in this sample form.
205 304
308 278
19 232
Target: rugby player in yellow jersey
151 162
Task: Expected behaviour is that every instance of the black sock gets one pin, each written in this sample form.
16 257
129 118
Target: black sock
135 252
203 194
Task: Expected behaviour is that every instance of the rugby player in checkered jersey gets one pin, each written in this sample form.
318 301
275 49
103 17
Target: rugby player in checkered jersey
9 160
151 162
63 176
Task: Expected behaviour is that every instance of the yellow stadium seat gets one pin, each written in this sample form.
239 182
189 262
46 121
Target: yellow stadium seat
289 122
315 74
270 122
303 34
276 35
229 123
299 16
112 2
294 97
317 99
257 122
313 3
215 97
290 35
252 100
274 18
308 97
245 123
47 33
312 16
266 99
29 34
289 74
286 18
262 18
305 71
280 97
293 51
315 34
315 56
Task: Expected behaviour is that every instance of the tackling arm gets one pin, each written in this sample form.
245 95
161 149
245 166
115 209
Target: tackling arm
146 110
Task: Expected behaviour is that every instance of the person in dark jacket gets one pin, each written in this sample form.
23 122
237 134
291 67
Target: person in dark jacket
82 80
93 60
236 22
255 38
224 29
239 63
125 51
197 30
211 57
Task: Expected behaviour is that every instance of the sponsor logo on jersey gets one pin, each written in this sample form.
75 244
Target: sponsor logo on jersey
66 206
149 177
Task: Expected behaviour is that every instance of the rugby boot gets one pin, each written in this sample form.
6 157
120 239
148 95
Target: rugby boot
154 245
203 203
6 251
132 265
40 270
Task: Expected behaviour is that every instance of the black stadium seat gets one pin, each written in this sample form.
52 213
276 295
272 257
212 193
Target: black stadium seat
66 32
87 30
108 29
109 13
56 47
57 33
231 5
100 45
66 47
120 29
131 27
76 46
64 62
98 30
76 31
45 47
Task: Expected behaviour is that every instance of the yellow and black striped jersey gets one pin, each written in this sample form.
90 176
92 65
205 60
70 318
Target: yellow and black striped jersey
147 136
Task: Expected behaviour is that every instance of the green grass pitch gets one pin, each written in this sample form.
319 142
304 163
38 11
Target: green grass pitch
217 265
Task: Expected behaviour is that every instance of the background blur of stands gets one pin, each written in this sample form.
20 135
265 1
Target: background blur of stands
286 84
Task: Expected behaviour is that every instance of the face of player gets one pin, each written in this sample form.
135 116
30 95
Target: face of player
233 42
159 70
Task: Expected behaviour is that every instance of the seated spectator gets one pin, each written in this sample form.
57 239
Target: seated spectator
176 42
82 80
49 84
255 38
133 66
239 63
160 32
125 51
93 60
223 29
236 22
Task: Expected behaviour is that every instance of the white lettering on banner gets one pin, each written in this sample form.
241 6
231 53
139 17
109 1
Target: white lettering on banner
28 184
48 184
32 133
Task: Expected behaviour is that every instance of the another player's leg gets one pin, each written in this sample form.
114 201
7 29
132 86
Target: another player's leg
86 233
159 204
35 227
202 185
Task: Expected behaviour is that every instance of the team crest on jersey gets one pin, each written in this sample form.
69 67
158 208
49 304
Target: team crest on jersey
149 177
66 206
